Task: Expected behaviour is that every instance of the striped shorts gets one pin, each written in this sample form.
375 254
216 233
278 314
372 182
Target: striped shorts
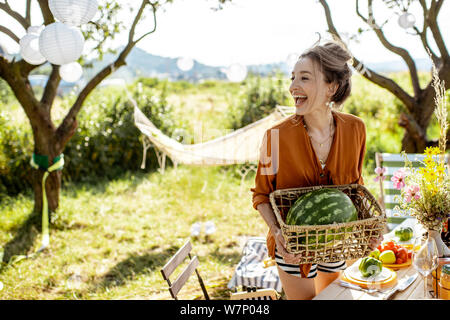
294 269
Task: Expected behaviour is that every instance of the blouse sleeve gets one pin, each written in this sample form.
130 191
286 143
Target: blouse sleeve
362 154
266 172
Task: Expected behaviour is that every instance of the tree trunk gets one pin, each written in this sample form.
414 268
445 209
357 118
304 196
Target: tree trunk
46 143
52 187
415 139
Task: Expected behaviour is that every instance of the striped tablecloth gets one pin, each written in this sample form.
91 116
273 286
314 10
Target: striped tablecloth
250 271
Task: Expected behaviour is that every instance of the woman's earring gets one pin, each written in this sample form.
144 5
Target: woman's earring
330 104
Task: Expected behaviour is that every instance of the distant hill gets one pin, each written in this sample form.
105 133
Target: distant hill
400 65
143 64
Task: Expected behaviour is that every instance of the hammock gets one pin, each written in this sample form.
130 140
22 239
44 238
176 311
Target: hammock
238 147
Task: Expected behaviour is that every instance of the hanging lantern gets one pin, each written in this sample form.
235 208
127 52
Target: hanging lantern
185 64
406 20
71 72
29 49
236 72
73 12
35 29
4 53
60 43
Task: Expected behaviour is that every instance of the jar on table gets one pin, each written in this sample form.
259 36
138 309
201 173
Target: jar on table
444 282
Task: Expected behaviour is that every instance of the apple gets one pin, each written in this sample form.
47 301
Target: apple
388 257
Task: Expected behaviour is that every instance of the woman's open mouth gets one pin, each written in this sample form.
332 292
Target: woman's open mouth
299 100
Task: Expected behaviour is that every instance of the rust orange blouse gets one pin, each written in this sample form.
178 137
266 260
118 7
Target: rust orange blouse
288 160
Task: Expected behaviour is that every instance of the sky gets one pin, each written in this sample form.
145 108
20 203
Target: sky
255 31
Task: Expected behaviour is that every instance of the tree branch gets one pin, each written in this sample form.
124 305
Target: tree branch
432 22
154 24
51 88
9 33
28 12
66 128
403 53
423 34
46 13
21 88
14 14
371 75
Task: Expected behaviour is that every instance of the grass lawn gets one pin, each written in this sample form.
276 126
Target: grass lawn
110 240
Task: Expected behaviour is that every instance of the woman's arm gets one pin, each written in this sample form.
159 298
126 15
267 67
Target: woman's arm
265 209
266 212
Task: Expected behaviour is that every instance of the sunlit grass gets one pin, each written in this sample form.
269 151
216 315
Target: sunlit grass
109 240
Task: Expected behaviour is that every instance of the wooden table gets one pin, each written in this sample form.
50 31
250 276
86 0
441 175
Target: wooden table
415 291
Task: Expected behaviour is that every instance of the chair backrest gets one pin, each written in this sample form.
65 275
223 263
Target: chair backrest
181 280
260 294
392 162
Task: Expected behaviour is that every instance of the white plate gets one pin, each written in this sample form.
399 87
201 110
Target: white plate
353 272
395 238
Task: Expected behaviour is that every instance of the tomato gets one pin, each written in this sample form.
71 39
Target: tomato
390 245
402 253
409 254
399 261
379 248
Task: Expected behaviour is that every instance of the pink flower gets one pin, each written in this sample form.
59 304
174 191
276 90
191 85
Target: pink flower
412 192
380 173
399 178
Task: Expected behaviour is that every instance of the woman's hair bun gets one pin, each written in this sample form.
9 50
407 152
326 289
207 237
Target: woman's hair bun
334 62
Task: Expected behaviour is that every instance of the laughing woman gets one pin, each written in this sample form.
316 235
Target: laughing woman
318 145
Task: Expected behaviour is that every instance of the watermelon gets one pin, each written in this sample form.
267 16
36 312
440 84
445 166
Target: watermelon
321 207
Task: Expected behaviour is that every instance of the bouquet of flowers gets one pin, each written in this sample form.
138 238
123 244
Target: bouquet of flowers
425 191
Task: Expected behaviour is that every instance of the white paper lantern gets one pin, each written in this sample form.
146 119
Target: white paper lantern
73 12
185 64
71 72
4 53
35 29
406 20
60 43
236 72
29 49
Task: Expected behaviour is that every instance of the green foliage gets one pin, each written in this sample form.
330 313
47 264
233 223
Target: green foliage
107 142
6 94
16 146
258 99
379 110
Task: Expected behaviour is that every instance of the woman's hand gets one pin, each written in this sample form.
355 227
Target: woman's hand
281 247
375 242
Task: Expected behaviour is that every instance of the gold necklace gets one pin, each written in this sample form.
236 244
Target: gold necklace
329 137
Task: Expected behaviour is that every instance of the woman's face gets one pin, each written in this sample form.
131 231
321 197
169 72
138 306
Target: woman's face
308 87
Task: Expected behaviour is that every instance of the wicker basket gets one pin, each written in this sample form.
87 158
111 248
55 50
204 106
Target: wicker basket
332 242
